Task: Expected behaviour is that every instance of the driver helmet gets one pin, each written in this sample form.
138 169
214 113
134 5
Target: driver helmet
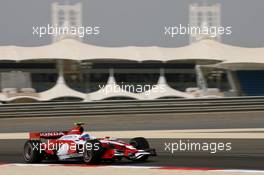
85 136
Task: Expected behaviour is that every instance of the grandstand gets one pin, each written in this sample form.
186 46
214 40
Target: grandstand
72 70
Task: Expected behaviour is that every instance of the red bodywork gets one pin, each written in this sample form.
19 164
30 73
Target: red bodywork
53 139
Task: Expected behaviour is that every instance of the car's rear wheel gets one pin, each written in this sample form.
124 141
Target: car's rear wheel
93 151
32 152
142 144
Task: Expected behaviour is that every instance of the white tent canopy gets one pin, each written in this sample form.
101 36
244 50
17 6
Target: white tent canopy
222 55
75 50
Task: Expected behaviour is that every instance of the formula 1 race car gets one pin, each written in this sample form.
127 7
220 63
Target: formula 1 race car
75 144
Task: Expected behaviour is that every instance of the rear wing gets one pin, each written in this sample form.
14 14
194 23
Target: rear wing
46 135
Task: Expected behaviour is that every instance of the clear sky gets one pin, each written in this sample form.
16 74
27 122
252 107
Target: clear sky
131 22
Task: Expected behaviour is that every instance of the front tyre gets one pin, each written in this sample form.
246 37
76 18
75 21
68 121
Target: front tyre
93 151
140 143
31 152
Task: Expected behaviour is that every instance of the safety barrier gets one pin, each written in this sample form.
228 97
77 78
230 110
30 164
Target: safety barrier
114 107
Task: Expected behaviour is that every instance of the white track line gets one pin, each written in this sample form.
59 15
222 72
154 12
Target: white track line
136 167
248 133
239 171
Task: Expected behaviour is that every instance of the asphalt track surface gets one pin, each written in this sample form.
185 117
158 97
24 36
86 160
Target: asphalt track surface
11 150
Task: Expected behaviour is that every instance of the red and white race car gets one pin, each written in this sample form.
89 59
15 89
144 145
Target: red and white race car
75 144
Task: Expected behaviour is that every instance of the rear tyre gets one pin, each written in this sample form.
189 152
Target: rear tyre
140 143
32 152
93 151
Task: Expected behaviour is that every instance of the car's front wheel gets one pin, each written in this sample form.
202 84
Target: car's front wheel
140 143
